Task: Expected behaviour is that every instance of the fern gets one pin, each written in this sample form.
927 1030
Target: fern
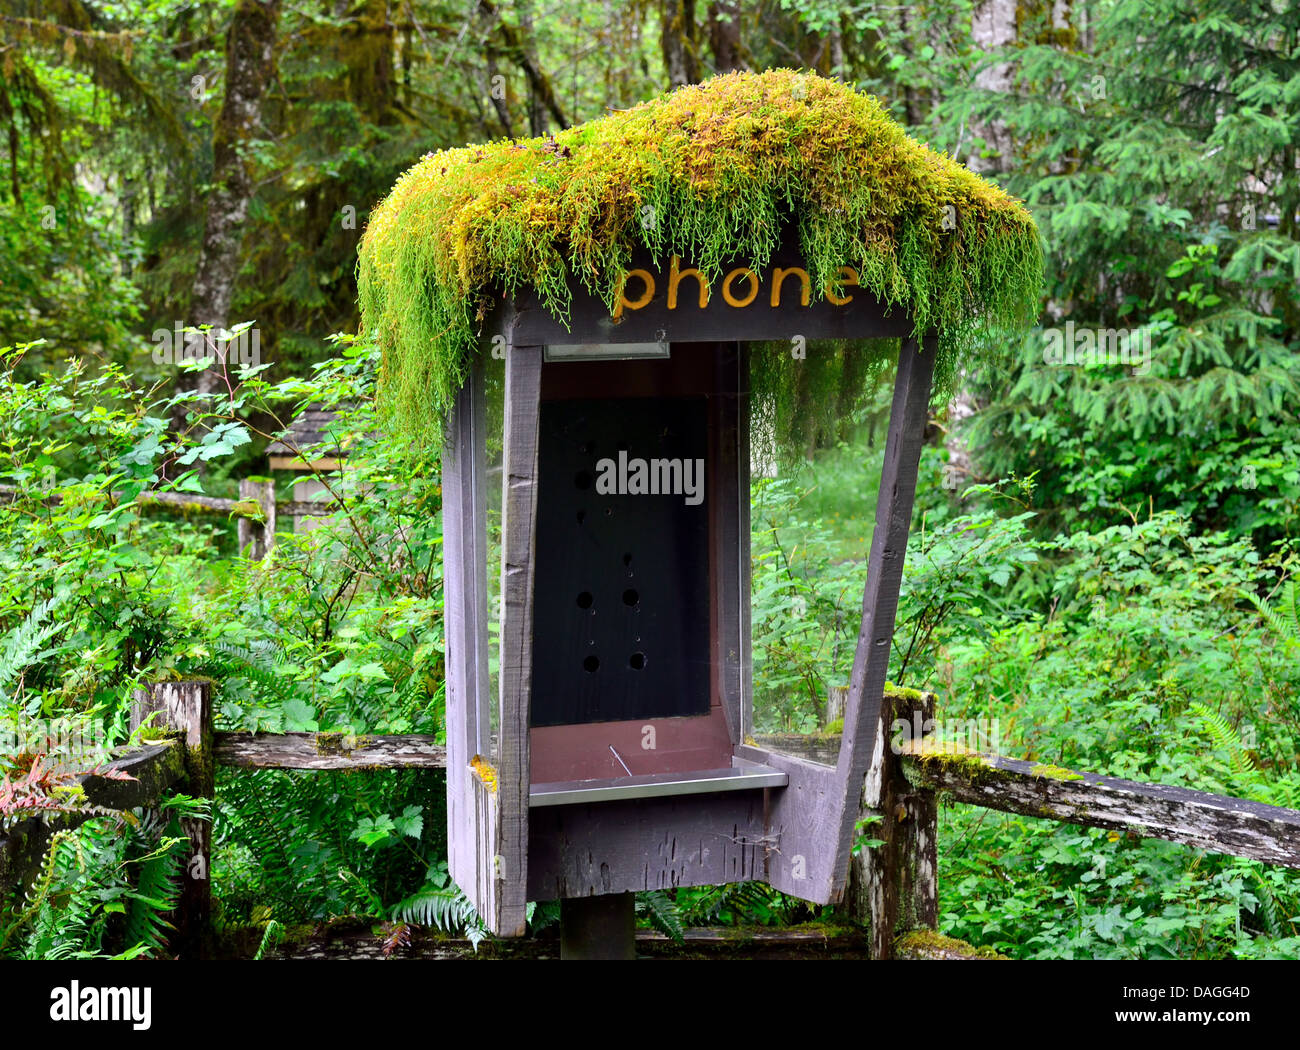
270 938
155 895
659 909
1284 618
260 666
444 908
1228 740
754 902
24 643
39 892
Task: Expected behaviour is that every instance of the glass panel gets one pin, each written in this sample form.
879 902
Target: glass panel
819 421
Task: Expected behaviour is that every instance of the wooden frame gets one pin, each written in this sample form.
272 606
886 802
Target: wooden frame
799 838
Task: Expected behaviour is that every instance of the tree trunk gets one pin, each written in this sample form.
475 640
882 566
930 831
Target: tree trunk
527 43
993 26
679 42
724 35
250 65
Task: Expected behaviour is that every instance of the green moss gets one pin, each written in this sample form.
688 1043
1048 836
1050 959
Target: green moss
1054 773
903 693
722 164
925 944
921 764
339 743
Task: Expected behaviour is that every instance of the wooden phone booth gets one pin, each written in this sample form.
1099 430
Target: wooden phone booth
619 760
599 721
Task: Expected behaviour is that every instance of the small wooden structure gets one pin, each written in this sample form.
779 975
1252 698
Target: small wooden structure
623 270
310 430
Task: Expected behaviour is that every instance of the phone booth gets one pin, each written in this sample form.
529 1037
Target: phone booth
599 722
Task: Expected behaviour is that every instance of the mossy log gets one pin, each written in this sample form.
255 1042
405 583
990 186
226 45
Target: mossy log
927 944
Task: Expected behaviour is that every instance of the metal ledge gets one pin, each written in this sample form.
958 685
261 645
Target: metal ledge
745 776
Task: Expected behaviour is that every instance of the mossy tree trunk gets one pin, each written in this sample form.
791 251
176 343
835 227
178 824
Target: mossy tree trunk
250 66
724 36
679 39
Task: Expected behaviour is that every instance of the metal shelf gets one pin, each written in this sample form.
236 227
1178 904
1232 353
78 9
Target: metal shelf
744 776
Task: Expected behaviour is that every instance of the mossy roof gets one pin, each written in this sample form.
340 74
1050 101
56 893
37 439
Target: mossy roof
722 164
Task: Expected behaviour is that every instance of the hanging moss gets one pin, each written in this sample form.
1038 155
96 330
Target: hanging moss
722 164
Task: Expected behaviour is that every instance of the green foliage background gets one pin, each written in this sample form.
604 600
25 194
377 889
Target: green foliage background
1109 581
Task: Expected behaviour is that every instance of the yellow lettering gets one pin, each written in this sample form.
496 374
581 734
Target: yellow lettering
623 301
779 275
675 275
848 278
729 297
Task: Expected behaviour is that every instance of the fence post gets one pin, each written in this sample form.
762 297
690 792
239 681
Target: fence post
893 887
186 708
256 539
836 695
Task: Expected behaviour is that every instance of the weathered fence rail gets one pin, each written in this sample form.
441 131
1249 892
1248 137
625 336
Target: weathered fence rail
328 751
893 887
256 510
1214 823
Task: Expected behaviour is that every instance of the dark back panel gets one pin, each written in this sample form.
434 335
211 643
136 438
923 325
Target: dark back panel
621 629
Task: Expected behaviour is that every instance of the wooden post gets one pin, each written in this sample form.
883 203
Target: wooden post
893 887
257 539
598 928
835 697
518 536
464 574
186 708
907 421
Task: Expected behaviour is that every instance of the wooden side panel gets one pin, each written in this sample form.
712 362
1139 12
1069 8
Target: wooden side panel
645 844
824 839
801 820
464 529
518 532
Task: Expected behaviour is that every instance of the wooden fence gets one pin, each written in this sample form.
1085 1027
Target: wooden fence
893 886
256 510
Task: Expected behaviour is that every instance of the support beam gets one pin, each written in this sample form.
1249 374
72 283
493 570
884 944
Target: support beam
518 535
464 561
598 928
812 821
907 421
